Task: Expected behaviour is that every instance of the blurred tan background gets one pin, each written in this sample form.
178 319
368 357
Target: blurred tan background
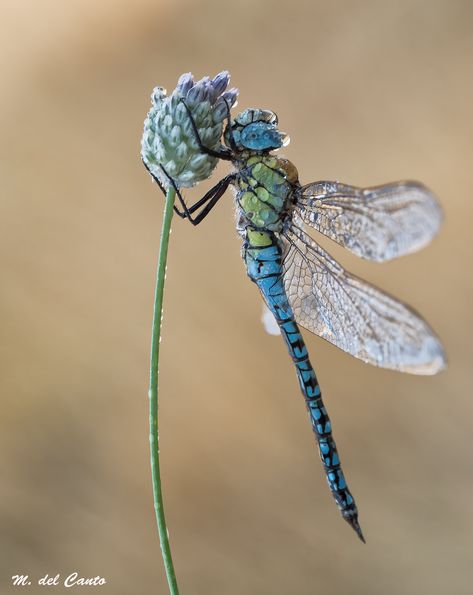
370 92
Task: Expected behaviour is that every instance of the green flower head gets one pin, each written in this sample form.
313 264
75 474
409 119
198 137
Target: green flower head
169 139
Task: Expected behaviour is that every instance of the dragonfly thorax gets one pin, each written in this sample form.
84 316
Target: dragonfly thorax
265 190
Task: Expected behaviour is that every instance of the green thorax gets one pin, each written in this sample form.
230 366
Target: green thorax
264 190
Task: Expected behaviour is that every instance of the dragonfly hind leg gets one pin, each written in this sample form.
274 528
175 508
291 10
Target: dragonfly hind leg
163 189
209 199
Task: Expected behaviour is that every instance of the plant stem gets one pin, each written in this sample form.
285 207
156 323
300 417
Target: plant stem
153 393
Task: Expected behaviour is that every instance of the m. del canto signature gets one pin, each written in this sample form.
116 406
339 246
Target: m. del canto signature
71 580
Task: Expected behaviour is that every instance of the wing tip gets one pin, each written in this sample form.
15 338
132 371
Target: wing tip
433 363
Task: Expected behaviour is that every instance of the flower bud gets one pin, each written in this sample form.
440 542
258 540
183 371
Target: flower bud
169 139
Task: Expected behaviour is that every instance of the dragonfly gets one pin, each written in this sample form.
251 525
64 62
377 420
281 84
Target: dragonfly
302 285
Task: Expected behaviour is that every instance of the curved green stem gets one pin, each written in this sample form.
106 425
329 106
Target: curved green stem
153 394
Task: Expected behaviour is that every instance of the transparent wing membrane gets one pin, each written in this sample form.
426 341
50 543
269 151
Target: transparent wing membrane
352 314
376 223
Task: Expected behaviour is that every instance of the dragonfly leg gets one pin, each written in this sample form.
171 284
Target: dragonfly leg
211 197
222 154
182 214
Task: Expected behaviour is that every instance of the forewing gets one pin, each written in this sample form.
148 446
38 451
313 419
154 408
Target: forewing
354 315
377 223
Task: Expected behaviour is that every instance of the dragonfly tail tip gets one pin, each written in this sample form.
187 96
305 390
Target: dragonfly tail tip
353 522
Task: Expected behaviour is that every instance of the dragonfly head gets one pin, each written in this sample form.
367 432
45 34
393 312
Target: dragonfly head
256 129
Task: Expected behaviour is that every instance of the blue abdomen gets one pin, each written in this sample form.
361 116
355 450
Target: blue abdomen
263 259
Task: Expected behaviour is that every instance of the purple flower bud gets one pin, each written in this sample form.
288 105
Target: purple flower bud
210 91
185 82
230 96
196 94
220 82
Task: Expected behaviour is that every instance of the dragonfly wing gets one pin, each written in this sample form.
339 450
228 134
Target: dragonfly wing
352 314
376 223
